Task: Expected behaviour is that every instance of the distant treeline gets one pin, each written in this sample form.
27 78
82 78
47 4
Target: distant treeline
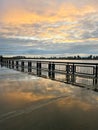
90 57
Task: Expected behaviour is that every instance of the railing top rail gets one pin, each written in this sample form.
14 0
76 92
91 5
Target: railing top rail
52 61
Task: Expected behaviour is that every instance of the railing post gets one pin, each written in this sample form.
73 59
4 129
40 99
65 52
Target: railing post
22 66
29 66
17 65
96 77
38 68
67 73
52 71
73 73
1 61
6 62
49 70
9 63
1 57
12 64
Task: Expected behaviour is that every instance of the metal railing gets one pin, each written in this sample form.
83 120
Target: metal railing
80 74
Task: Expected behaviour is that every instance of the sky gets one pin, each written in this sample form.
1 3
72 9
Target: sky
48 28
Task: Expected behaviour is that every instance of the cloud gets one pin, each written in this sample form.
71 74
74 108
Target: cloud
48 27
28 11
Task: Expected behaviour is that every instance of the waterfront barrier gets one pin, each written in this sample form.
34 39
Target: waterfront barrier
78 74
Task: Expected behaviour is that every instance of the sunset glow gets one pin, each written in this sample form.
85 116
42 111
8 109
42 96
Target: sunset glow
48 24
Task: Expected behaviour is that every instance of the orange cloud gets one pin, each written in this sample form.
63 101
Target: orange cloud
65 12
57 25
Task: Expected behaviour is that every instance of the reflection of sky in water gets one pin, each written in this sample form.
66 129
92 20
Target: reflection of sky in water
21 93
10 75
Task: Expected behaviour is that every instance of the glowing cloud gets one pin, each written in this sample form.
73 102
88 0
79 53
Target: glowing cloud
49 22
